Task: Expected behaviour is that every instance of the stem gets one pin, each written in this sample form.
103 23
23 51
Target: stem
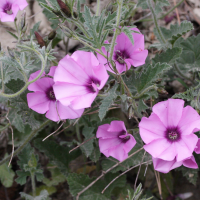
28 83
147 20
119 10
144 91
86 44
181 74
78 132
28 139
2 78
98 8
103 173
5 127
33 183
156 21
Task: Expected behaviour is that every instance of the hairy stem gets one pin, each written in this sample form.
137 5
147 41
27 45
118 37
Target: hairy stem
156 21
119 10
2 78
144 91
44 60
98 8
33 183
27 140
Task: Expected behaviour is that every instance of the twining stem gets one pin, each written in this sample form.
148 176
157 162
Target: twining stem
172 9
98 8
33 183
44 61
119 10
144 91
2 78
27 140
156 21
105 172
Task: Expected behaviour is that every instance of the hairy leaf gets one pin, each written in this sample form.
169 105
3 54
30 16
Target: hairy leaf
107 102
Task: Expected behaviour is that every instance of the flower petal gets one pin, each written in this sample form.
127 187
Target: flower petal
190 163
117 126
105 144
118 152
169 154
190 121
138 58
103 133
129 144
21 3
156 147
151 128
169 111
38 102
197 148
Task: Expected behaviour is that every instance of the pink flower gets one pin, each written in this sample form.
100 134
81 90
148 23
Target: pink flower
114 140
166 166
169 131
125 53
78 79
10 8
43 100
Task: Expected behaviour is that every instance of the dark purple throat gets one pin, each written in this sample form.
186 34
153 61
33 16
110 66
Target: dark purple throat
120 56
91 83
8 8
125 139
173 134
50 94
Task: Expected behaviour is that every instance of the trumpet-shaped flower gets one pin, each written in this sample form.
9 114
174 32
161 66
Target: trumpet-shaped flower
43 99
10 8
125 53
169 131
114 140
165 166
78 79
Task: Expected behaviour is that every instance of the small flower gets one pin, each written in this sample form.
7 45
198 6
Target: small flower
78 79
125 53
166 166
169 131
114 140
43 99
10 8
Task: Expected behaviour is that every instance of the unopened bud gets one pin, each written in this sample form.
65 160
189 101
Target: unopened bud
39 39
162 91
23 21
158 80
11 53
64 8
130 112
52 35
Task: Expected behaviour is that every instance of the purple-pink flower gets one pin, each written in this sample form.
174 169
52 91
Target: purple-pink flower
10 8
114 140
43 99
125 53
169 133
78 79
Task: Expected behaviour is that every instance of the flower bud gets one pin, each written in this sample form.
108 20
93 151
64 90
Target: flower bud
39 39
52 35
162 91
64 8
10 52
130 112
22 21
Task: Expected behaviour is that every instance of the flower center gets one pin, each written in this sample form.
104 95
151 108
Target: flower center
7 8
173 134
120 57
92 85
123 137
50 94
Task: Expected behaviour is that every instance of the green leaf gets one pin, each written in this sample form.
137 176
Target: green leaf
13 35
88 147
175 31
187 95
159 4
190 174
78 182
142 106
169 56
43 196
128 32
95 155
190 57
107 102
148 75
6 175
56 153
143 4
